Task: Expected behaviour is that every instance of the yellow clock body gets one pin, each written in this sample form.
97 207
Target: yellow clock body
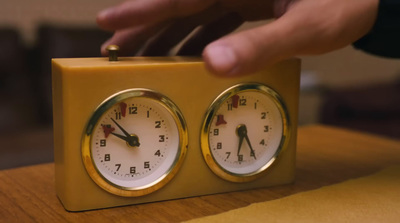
87 97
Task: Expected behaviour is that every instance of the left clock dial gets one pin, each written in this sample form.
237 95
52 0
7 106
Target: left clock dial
135 142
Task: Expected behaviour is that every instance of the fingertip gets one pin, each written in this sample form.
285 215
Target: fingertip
103 14
103 50
104 17
220 59
249 51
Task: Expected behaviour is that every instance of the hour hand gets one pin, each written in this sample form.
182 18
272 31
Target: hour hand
240 145
131 140
120 136
242 133
122 129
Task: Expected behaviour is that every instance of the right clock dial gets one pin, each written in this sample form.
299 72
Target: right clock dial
244 131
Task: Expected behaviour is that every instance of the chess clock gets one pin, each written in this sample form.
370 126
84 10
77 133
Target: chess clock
140 129
134 143
244 131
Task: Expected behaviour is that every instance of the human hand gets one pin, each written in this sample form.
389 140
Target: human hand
302 27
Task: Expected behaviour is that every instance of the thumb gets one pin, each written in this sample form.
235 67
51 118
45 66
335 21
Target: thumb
251 50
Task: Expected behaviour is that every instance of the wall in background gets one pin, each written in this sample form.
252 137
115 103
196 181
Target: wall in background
349 67
26 15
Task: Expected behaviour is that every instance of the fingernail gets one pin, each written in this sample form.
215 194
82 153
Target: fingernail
102 15
221 59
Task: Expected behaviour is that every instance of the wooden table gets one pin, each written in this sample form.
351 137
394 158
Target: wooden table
326 155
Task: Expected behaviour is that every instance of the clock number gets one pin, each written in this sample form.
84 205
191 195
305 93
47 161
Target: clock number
161 138
230 107
266 128
133 169
240 158
103 143
118 166
262 142
228 154
219 145
148 114
243 102
118 115
263 115
133 110
158 153
255 105
216 132
158 124
107 157
147 165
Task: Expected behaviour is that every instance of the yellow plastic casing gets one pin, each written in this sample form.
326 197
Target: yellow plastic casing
80 85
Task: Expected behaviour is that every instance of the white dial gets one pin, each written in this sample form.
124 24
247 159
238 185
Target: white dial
136 140
244 132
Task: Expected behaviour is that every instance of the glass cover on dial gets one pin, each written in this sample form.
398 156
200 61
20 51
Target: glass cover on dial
135 142
244 132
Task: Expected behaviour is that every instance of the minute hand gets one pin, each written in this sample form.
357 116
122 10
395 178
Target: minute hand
122 129
131 140
251 148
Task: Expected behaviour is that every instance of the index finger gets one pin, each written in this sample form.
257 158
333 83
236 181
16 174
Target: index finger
136 12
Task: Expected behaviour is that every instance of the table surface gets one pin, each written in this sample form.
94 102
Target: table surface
325 156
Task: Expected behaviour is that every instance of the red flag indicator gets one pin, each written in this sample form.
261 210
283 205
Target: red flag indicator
107 130
123 106
235 101
220 120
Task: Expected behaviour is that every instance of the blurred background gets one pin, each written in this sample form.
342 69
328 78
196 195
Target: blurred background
346 88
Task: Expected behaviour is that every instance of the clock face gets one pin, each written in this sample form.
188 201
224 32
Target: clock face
244 131
134 142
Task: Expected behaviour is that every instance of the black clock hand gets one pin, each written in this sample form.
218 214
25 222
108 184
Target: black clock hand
122 129
131 140
240 145
241 132
120 136
252 153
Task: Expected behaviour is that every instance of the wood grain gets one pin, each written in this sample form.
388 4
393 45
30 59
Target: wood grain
325 155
